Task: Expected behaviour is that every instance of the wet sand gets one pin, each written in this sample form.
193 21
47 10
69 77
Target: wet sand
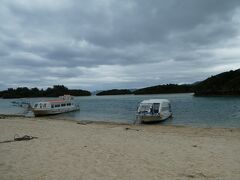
67 150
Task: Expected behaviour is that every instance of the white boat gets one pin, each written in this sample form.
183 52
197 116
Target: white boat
50 107
153 110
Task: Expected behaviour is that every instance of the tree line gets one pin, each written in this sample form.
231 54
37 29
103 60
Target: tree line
227 83
55 91
160 89
114 92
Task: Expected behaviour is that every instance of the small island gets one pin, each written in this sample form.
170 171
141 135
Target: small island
57 90
114 92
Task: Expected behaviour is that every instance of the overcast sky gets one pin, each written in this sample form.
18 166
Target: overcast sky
104 44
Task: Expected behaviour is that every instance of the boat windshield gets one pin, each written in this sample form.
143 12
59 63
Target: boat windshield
145 108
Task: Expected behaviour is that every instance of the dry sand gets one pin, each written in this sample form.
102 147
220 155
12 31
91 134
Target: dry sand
67 150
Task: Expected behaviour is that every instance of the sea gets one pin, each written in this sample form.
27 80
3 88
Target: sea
187 109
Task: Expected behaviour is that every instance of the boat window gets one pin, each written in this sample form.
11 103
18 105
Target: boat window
145 108
165 108
63 105
156 107
35 105
40 105
57 105
52 106
68 104
44 105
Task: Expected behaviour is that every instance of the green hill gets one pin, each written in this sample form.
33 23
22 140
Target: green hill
57 90
114 92
165 89
227 83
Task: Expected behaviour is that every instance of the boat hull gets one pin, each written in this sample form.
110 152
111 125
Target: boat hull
152 119
46 112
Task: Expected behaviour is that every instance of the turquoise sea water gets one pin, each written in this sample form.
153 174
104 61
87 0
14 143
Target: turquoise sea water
187 109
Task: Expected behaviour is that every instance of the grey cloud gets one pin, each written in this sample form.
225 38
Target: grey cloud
38 37
152 21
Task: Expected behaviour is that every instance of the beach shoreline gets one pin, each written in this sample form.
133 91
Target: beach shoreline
69 149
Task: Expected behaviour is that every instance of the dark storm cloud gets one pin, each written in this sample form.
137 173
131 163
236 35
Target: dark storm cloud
109 43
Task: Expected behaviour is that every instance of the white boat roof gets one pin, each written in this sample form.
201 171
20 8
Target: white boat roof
150 101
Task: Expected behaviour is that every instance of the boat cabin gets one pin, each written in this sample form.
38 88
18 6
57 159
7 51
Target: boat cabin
62 102
52 104
61 105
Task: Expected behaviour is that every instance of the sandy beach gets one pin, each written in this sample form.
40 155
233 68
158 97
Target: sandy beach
67 150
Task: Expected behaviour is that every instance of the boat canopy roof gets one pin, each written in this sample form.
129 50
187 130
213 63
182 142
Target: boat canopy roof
61 99
151 101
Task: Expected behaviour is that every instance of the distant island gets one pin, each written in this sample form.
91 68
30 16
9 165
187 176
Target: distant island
227 83
114 92
165 89
160 89
57 90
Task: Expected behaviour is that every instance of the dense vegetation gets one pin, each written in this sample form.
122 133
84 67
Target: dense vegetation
57 90
227 83
165 89
114 92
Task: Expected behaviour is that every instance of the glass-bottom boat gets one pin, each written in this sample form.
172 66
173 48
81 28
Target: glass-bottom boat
50 107
153 110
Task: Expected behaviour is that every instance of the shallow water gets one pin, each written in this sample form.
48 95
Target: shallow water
187 109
